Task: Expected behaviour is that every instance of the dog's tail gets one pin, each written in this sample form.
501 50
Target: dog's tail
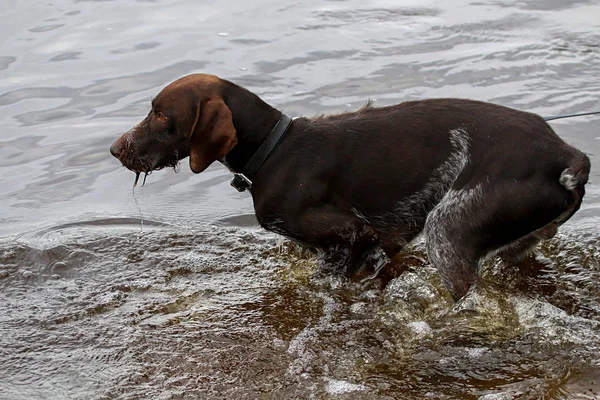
574 178
577 174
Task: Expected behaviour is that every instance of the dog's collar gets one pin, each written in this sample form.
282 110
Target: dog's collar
243 180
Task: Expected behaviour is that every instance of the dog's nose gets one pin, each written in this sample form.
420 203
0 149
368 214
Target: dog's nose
115 149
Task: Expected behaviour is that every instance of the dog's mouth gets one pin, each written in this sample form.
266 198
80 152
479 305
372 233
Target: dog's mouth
146 166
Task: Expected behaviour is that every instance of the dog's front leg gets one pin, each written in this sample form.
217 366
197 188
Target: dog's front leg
347 242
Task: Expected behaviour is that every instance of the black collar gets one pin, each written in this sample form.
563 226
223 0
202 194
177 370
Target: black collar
243 180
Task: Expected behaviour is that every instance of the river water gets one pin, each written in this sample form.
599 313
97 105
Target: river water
200 302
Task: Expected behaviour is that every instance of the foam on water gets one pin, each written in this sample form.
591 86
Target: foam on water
342 387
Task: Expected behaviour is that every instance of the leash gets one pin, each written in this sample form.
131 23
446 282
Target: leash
570 115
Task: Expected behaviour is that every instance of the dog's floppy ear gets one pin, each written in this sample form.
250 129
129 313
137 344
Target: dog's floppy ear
212 135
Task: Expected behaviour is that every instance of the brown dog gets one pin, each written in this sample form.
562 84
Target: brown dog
476 178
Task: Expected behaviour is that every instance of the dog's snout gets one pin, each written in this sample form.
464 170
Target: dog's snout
115 149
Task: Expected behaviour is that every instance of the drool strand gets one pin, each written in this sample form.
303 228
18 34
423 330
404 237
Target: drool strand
137 177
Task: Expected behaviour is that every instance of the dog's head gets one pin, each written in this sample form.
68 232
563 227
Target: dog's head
188 118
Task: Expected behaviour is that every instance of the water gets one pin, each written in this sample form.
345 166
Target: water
203 304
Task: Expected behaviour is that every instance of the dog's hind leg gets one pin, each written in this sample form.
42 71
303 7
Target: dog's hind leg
511 216
517 251
450 249
520 249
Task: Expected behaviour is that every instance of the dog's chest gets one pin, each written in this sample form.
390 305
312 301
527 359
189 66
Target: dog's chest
276 225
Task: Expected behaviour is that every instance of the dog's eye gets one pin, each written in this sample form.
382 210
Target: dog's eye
160 116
